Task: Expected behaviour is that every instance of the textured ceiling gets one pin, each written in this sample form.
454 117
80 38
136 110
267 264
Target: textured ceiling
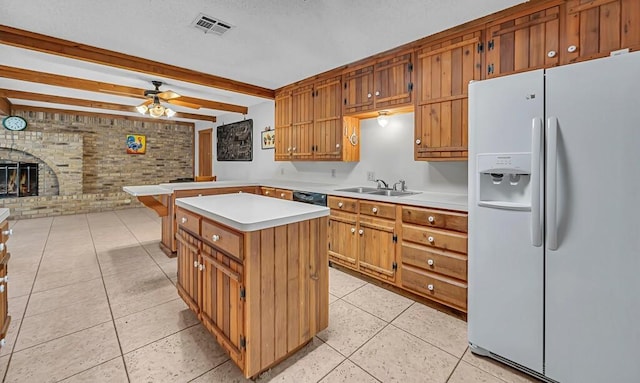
273 43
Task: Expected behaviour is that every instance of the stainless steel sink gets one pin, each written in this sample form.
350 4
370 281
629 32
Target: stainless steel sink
361 189
392 193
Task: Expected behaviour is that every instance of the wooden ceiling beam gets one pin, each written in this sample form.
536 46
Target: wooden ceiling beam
51 45
103 87
6 93
5 106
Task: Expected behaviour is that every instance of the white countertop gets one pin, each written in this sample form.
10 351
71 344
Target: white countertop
250 212
145 190
4 214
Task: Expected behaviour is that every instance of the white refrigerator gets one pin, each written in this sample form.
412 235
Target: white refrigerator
554 221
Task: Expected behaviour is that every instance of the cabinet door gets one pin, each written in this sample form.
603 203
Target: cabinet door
283 126
221 303
188 264
284 194
358 90
444 71
393 86
377 248
523 42
302 122
343 239
595 28
327 116
5 318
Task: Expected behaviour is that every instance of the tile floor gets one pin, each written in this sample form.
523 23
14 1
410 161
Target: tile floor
93 299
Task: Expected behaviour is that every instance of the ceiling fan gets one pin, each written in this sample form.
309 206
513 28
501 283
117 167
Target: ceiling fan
155 108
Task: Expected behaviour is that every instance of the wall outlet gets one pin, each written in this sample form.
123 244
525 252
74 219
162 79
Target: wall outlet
371 176
333 173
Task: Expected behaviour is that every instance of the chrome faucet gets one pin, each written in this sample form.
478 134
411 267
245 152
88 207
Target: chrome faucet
403 186
386 185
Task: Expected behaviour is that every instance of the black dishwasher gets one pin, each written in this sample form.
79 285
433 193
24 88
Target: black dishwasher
310 197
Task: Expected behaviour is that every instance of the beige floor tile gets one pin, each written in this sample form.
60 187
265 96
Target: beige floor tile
4 361
170 267
124 259
394 355
178 358
144 327
227 372
341 284
435 327
375 300
497 369
59 359
138 290
62 321
69 261
89 291
109 372
17 307
23 263
466 373
47 280
349 327
347 372
10 337
20 283
310 364
153 249
332 298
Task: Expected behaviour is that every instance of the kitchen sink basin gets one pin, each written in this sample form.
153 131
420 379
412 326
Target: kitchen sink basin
361 189
392 193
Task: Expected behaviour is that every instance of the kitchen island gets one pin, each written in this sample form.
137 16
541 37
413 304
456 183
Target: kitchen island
255 271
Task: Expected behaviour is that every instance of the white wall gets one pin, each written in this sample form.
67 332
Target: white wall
388 152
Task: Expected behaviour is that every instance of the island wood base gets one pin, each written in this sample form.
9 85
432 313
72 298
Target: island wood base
262 294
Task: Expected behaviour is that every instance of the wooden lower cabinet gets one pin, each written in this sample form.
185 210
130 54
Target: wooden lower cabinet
5 318
377 246
262 294
343 242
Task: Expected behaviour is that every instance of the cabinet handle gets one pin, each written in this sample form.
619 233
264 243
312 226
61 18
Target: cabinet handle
430 287
418 141
360 231
374 210
266 193
3 342
1 288
184 220
551 54
368 95
195 264
1 246
337 146
5 279
201 267
281 195
572 48
430 262
340 204
215 238
430 239
8 232
431 219
289 149
294 148
377 92
353 230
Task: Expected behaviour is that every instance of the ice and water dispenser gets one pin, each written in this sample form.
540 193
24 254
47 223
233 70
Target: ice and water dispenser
504 180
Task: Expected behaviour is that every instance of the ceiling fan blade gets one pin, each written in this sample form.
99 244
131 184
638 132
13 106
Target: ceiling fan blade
147 103
184 103
136 95
168 95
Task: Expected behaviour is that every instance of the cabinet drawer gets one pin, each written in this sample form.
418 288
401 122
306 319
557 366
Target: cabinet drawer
284 194
344 204
435 218
269 192
437 287
438 261
4 232
442 239
378 209
223 238
188 221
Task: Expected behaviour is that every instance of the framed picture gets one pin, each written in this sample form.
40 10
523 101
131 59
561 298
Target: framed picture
268 139
235 141
136 144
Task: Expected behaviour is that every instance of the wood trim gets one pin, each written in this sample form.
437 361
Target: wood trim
224 269
5 106
59 47
103 87
444 149
589 5
528 24
36 109
376 269
442 99
152 203
185 243
90 103
449 47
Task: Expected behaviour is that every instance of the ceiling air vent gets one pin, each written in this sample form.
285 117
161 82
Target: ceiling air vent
209 24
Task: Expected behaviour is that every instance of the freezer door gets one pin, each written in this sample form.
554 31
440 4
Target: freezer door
592 292
505 308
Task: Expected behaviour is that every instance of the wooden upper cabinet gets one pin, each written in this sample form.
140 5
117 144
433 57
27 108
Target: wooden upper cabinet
392 78
283 121
327 119
358 90
525 41
443 72
594 28
302 122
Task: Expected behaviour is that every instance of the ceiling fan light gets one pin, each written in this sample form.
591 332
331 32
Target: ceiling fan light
156 111
142 109
170 112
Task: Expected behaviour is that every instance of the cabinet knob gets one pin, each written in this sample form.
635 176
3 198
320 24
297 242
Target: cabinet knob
377 92
5 279
184 220
360 231
430 239
418 141
2 246
353 230
551 54
8 232
294 148
431 219
337 146
195 263
340 204
1 288
266 193
2 342
281 195
374 210
200 266
215 238
368 95
572 48
430 262
289 149
430 287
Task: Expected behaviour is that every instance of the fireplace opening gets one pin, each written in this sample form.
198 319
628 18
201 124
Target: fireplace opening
18 179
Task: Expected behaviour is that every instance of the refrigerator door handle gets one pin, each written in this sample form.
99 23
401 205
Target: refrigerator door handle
552 187
536 154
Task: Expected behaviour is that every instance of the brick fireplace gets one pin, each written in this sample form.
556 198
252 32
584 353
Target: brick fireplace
18 179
